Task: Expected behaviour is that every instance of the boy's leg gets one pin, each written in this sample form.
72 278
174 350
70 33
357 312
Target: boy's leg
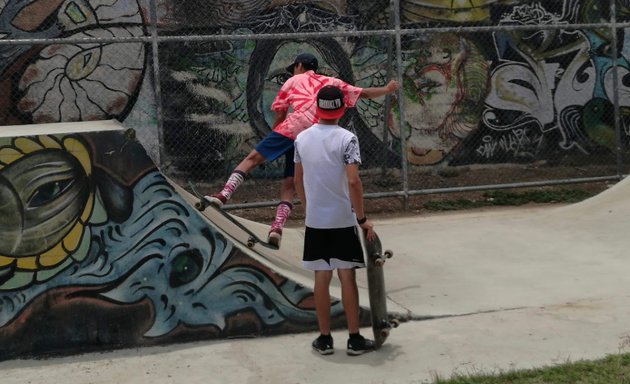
357 344
350 298
287 192
236 178
322 300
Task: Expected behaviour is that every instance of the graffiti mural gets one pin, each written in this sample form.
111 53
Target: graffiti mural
224 89
82 227
551 91
522 95
470 97
70 82
445 82
469 11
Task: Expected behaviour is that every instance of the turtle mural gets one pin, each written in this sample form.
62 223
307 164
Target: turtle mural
98 251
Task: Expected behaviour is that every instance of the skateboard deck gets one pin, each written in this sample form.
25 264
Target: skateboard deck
252 239
374 260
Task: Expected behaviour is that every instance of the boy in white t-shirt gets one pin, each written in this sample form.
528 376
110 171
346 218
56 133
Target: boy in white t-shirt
327 181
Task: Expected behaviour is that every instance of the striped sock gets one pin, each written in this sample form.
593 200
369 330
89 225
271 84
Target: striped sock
282 214
233 182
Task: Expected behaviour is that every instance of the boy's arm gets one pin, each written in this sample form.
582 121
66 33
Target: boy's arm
356 198
374 92
298 181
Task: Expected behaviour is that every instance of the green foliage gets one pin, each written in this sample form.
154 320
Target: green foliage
507 198
609 370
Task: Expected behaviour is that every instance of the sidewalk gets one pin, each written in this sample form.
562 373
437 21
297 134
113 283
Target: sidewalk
485 292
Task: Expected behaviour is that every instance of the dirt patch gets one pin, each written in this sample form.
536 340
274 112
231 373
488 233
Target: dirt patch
421 182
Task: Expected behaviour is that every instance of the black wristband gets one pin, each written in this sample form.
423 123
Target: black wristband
362 221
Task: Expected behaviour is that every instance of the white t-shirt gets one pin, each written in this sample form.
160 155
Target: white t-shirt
324 151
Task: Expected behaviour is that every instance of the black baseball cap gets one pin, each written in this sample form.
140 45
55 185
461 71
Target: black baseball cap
330 103
304 58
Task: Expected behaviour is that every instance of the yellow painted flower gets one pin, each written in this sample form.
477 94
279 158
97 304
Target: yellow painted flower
47 199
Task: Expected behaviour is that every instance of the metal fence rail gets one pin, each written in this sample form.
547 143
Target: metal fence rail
508 82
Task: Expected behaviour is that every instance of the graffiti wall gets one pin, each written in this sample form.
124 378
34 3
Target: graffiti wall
512 95
475 96
98 251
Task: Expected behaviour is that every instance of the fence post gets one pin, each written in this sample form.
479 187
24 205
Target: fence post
401 104
155 63
615 54
387 108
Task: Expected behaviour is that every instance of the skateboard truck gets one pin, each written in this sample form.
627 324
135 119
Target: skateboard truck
379 259
386 326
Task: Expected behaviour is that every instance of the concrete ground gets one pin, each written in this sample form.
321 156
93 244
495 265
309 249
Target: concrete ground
484 292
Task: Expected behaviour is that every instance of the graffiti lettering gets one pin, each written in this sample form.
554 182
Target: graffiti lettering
520 143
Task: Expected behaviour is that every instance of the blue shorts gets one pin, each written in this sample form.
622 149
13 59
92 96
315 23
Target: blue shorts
275 145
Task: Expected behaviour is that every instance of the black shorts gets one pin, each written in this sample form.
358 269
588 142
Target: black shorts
328 249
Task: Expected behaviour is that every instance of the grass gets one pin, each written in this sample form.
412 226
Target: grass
500 197
613 369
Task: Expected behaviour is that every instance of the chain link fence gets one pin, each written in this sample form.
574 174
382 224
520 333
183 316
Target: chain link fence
487 85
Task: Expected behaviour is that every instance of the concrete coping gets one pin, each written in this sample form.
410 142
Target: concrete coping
60 128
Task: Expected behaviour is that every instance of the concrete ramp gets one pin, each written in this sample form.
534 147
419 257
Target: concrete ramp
493 260
98 250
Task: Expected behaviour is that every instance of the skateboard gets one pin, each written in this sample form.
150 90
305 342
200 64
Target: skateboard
252 239
375 259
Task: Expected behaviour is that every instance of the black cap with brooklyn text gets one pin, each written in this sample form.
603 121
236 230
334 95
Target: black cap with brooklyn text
330 103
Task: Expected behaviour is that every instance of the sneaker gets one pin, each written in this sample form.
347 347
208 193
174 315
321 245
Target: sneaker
275 236
359 345
217 199
323 345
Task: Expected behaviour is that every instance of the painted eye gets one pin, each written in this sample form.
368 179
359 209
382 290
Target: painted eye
185 268
426 86
48 192
279 77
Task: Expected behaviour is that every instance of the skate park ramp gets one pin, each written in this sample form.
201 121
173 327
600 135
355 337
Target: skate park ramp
99 250
471 262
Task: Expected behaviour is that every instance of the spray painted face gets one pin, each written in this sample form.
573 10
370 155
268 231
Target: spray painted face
444 83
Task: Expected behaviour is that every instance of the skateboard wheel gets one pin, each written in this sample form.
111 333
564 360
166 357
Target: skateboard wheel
250 244
379 262
130 133
200 206
384 332
394 323
388 253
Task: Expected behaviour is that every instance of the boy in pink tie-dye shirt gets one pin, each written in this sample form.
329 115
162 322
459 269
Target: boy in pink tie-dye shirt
298 93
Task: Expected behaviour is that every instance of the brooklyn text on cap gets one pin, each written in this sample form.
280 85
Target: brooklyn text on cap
304 58
330 103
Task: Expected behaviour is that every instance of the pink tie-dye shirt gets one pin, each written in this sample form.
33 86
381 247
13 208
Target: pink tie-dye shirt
299 93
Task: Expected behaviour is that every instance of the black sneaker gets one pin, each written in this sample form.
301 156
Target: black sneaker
358 345
323 345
